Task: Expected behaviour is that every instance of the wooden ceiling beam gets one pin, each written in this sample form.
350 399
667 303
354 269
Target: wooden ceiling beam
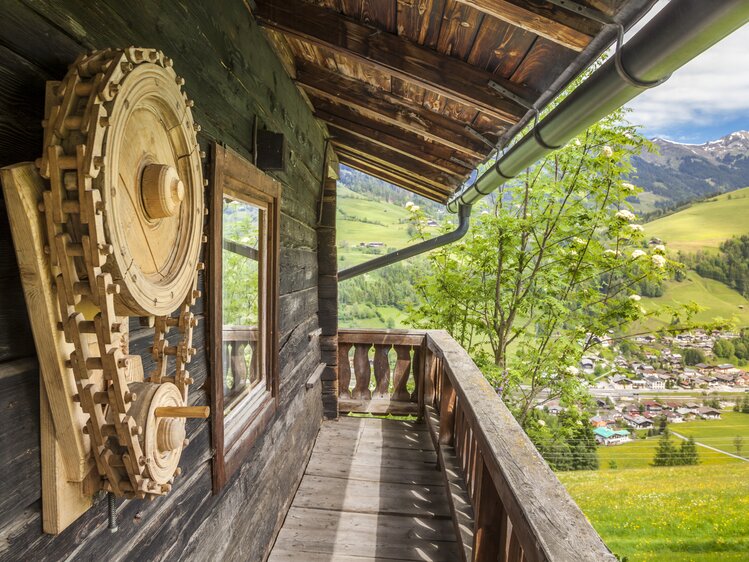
375 104
408 183
443 74
544 19
395 160
410 145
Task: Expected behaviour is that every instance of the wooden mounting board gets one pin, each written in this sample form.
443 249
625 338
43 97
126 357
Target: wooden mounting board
66 461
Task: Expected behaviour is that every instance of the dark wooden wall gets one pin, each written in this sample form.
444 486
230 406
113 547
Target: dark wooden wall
233 76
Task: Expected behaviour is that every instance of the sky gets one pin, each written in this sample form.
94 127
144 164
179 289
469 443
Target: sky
702 101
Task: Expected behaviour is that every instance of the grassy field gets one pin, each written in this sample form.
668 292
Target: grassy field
716 298
705 224
386 223
691 513
669 514
716 433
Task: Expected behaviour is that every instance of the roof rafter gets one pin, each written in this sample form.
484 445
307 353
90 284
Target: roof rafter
393 159
378 105
405 143
409 61
566 29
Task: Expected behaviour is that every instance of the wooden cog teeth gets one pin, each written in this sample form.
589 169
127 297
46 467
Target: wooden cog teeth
79 246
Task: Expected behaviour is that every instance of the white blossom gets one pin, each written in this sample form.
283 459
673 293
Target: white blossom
611 253
414 208
607 151
659 249
638 254
542 423
628 186
409 205
635 298
577 142
659 260
626 215
636 227
578 241
572 370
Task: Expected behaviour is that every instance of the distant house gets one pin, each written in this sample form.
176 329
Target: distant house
606 436
375 244
654 383
708 413
597 421
652 406
637 421
686 413
674 417
622 382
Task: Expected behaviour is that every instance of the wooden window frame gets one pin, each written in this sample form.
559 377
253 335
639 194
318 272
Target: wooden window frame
233 175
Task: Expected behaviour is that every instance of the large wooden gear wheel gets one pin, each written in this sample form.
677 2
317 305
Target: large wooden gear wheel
124 217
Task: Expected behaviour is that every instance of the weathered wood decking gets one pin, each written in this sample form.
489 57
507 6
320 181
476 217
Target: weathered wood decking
371 491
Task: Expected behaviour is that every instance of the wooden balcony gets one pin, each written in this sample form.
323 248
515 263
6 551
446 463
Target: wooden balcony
460 482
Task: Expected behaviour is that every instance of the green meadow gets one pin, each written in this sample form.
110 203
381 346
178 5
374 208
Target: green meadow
705 224
668 514
716 299
361 219
689 513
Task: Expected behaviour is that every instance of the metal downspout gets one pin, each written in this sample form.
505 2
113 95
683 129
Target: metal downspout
464 218
677 34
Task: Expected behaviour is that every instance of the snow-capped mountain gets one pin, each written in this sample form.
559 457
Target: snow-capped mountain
681 172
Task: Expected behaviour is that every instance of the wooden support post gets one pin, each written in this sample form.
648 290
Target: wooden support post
23 187
327 278
488 519
447 411
62 501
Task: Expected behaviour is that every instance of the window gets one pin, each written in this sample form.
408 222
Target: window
243 289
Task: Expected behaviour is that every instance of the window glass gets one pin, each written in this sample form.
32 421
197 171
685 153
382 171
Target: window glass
243 261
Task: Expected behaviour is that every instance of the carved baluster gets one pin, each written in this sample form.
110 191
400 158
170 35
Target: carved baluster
381 371
344 370
362 372
252 362
238 366
402 372
226 360
418 373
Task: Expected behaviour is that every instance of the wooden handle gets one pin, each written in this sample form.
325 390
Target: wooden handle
182 412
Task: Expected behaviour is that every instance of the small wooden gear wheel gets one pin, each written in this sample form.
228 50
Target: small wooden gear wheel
163 438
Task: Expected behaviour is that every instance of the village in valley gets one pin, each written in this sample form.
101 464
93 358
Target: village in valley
653 386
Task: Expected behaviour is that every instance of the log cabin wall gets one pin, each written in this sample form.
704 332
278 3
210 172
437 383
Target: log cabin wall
234 77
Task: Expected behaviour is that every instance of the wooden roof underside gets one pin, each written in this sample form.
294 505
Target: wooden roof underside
404 85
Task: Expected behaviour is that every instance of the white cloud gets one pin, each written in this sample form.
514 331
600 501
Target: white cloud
714 87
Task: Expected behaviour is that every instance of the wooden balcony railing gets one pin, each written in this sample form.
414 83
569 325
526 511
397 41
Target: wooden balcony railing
506 502
385 374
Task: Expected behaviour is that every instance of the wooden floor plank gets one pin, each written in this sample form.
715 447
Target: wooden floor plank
371 491
372 497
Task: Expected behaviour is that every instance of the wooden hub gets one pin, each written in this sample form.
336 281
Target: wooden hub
162 191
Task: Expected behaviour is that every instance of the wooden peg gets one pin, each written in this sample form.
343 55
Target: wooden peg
182 412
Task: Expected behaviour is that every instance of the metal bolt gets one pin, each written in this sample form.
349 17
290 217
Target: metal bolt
112 512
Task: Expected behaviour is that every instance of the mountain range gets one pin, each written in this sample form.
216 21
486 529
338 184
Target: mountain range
677 173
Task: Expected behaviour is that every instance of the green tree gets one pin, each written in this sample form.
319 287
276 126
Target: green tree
738 442
552 262
666 454
688 452
693 356
723 348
